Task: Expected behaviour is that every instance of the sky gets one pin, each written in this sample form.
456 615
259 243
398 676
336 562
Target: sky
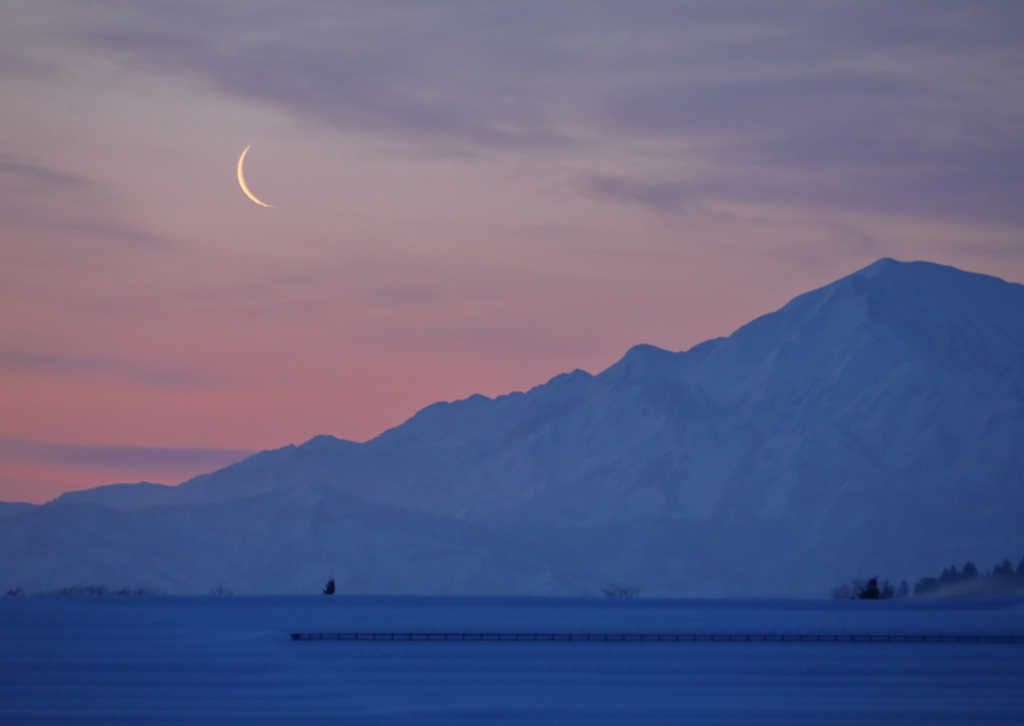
467 198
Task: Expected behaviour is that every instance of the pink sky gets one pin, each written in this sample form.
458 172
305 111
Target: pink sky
468 199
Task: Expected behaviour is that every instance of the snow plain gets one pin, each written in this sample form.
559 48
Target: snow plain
230 660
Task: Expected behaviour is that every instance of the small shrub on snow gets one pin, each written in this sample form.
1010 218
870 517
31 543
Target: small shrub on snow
870 589
620 591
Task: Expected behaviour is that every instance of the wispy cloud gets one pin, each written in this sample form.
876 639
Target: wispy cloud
28 199
24 361
17 175
664 195
132 457
117 235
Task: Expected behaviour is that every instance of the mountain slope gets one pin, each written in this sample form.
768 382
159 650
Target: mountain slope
288 541
873 425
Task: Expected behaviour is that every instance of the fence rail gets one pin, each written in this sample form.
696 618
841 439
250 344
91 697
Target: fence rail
663 637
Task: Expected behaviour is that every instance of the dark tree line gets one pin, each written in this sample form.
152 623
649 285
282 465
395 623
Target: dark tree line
871 589
1003 574
92 590
1001 579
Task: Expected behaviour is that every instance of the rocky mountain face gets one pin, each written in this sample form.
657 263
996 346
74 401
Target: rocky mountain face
874 426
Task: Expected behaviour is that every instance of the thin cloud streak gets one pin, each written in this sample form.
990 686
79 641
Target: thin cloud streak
17 175
128 457
28 362
119 235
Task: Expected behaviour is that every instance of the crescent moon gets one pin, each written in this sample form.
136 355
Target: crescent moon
241 180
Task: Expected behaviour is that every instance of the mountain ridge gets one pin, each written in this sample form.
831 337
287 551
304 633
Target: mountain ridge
871 425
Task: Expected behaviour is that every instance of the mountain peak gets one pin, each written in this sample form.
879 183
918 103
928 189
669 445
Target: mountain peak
140 495
879 266
645 361
940 289
326 442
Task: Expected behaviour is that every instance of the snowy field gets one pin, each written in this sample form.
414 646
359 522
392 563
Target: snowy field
163 660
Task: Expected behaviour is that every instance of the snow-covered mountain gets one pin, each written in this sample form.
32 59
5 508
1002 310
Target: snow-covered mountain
873 426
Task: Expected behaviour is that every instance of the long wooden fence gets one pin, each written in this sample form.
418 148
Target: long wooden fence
664 637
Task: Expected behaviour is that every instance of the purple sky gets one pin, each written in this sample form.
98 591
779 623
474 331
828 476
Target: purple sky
468 197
